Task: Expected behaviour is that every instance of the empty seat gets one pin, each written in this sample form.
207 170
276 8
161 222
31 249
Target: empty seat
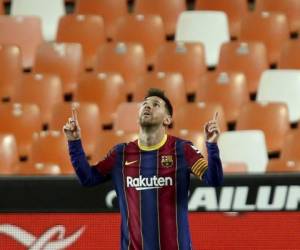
89 119
193 116
107 140
110 10
281 86
126 58
106 90
271 118
62 59
10 70
21 120
248 147
29 168
249 58
8 154
41 89
235 10
16 30
168 10
127 123
147 30
185 58
78 29
193 26
291 8
270 28
50 147
234 168
48 10
291 147
289 55
171 83
196 137
227 88
283 166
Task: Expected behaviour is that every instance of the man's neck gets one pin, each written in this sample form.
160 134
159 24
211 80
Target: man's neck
151 136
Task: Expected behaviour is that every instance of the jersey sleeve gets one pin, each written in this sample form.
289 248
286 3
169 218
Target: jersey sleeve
197 163
106 165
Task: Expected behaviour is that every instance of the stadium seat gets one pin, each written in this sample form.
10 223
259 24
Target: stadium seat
267 27
16 31
126 58
108 140
125 122
290 54
196 137
281 86
50 147
193 116
106 90
10 70
248 147
193 26
110 10
48 10
283 166
8 154
185 58
291 8
41 89
291 146
89 119
21 120
168 10
29 168
249 58
235 10
227 88
171 83
271 118
63 59
234 168
78 29
147 30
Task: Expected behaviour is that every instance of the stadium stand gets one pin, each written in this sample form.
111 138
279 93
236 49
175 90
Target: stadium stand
289 55
8 154
291 148
283 166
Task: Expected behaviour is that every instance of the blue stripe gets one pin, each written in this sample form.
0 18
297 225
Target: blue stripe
182 187
149 203
117 176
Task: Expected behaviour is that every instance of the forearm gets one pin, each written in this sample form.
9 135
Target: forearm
87 175
213 176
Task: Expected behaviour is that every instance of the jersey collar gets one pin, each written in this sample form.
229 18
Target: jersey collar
154 147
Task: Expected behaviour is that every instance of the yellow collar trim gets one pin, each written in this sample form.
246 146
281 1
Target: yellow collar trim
154 147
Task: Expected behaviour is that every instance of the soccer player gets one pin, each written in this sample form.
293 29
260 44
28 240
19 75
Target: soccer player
151 176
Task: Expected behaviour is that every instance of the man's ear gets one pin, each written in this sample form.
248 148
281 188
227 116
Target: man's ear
167 121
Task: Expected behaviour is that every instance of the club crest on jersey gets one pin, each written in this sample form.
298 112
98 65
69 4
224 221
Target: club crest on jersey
167 161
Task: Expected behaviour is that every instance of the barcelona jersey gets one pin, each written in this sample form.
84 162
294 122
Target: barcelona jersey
152 186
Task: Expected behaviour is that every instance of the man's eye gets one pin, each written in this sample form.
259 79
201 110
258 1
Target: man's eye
156 104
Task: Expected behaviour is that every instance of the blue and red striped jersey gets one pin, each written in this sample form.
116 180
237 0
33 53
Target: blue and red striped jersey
152 186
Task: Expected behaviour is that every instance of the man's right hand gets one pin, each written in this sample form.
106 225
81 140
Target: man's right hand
71 128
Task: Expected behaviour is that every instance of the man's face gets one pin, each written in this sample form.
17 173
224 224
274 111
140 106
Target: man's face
153 112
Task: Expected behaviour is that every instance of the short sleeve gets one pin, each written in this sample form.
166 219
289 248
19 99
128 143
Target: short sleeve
197 163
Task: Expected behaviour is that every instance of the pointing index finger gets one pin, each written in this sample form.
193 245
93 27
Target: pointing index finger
74 113
216 116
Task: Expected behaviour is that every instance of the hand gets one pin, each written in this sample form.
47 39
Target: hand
71 128
211 129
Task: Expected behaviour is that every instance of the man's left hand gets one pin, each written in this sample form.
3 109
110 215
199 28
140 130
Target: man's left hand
211 129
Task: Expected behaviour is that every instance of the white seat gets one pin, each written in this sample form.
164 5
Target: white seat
247 146
49 11
208 27
281 86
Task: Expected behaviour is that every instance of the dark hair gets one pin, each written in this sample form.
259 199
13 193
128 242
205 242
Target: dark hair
159 93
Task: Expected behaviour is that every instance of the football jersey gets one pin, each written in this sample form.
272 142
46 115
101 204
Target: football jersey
152 186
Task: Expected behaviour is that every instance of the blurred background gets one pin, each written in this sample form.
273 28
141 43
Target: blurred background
237 57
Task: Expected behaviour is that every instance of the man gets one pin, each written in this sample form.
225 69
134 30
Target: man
151 176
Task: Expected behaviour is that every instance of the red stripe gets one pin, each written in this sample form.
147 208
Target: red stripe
133 197
167 201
